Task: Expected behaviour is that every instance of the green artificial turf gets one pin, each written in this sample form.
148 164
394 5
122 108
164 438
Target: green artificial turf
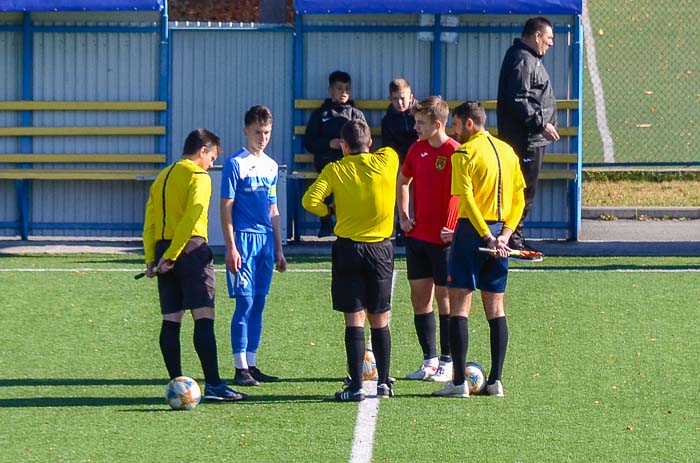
602 366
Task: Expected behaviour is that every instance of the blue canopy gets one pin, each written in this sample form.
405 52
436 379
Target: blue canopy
82 5
439 6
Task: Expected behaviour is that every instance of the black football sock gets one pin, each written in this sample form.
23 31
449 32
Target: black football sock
355 351
170 347
459 342
381 343
425 329
445 354
499 343
205 345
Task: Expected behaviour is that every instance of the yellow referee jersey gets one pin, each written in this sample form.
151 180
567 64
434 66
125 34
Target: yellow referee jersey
364 186
177 208
486 175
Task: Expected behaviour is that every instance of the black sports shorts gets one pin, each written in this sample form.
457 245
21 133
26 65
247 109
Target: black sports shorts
362 276
191 282
426 260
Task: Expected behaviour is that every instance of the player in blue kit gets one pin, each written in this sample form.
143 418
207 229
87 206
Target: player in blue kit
251 226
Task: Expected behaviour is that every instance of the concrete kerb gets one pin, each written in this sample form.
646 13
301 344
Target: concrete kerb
620 237
634 213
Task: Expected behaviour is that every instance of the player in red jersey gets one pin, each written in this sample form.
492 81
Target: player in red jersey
428 170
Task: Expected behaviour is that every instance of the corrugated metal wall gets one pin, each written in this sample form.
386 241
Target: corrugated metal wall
81 57
381 57
217 74
10 89
92 66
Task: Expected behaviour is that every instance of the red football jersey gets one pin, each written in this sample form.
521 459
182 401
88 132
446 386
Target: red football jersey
431 171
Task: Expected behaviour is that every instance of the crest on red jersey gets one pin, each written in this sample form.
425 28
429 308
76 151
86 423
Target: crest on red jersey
440 162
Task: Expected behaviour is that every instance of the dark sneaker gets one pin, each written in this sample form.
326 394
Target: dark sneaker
348 395
244 378
384 391
527 254
348 380
261 377
223 392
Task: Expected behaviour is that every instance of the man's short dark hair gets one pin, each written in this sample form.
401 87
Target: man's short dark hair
532 25
338 76
356 135
199 138
258 113
471 110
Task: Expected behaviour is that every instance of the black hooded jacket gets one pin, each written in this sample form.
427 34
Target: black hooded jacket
398 130
324 125
526 100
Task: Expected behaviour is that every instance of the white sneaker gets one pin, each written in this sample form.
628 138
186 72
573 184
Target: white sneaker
443 373
423 373
495 389
450 390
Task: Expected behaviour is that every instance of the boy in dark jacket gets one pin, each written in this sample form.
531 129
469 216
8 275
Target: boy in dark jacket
398 129
322 136
398 124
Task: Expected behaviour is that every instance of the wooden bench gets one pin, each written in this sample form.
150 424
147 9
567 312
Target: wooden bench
92 166
303 163
83 172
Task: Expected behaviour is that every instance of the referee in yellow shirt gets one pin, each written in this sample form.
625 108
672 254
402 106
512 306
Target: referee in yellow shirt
487 178
364 185
176 251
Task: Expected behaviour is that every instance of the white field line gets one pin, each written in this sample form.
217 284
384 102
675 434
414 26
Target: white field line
597 84
367 413
363 439
323 270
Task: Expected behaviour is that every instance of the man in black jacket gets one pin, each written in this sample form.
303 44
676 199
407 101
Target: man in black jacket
322 137
527 109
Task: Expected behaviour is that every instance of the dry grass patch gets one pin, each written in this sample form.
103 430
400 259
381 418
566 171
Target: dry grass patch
639 188
671 193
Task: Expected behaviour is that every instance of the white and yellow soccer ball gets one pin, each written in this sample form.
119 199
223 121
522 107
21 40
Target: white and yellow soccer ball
183 393
476 377
369 367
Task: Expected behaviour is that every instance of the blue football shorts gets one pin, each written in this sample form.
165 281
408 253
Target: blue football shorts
257 252
467 268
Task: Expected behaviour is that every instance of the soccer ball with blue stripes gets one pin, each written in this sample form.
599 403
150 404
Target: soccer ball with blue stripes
183 393
476 377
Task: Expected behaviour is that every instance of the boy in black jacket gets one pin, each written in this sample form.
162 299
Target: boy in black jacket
322 136
398 124
398 129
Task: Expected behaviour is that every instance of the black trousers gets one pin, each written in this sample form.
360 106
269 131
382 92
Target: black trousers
530 163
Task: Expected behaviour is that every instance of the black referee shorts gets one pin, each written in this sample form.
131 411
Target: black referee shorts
191 283
362 276
426 260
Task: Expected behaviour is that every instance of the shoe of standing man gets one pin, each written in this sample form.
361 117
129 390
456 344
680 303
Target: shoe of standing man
524 247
